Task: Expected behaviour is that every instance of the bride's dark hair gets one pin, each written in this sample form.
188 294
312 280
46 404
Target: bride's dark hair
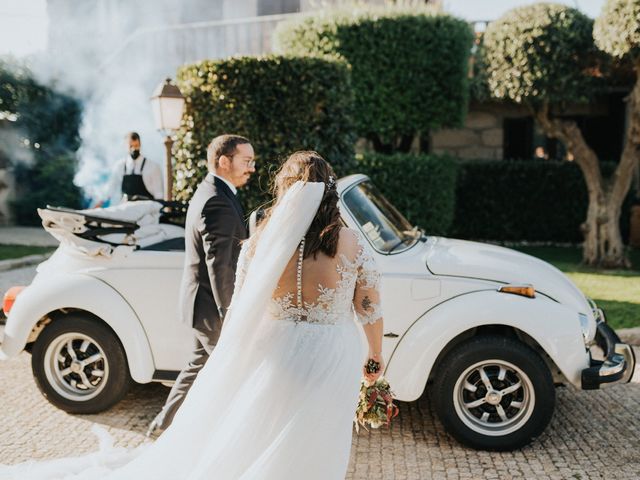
309 166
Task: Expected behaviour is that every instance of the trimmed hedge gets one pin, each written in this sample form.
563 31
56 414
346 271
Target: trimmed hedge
421 187
409 69
281 104
541 52
515 200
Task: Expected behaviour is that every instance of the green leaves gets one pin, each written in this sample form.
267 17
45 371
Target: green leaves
617 29
541 53
409 68
48 123
516 200
281 104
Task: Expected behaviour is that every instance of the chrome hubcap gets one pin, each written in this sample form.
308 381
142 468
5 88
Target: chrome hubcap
494 397
76 366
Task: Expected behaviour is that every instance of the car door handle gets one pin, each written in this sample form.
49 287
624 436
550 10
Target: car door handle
390 335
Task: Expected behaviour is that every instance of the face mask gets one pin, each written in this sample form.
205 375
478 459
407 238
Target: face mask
134 153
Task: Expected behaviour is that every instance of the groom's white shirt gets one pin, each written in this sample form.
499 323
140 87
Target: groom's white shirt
229 184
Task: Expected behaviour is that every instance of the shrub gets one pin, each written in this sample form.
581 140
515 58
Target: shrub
617 31
281 104
409 69
422 187
46 122
541 53
49 181
520 200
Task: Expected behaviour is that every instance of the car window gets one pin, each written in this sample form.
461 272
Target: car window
386 228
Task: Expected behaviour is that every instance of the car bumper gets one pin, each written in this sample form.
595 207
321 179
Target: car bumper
618 365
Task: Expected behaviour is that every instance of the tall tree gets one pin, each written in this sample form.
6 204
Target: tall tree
544 57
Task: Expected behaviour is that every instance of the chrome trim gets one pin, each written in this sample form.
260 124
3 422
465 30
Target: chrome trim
597 312
627 352
357 180
613 365
618 365
584 326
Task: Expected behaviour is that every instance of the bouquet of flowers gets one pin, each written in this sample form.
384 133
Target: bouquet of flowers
375 407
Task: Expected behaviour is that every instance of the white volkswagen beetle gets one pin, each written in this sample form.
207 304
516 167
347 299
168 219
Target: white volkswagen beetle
487 330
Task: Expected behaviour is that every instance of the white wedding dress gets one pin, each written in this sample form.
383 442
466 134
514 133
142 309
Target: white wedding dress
277 398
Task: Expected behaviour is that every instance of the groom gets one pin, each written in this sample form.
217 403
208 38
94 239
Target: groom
213 230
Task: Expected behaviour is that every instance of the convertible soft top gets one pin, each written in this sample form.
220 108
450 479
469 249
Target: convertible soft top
99 231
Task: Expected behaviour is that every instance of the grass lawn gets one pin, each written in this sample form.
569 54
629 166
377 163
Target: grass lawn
17 251
617 292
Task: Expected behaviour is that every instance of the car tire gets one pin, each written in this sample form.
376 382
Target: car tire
493 393
80 365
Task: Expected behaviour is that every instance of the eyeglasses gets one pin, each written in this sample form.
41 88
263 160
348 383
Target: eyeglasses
246 163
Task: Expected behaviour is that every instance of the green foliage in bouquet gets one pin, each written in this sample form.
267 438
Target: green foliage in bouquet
375 406
409 66
281 104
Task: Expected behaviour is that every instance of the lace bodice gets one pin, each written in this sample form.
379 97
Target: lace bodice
349 283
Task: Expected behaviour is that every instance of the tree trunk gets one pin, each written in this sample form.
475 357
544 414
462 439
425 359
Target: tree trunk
603 245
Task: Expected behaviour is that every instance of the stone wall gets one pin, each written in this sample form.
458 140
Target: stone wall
481 136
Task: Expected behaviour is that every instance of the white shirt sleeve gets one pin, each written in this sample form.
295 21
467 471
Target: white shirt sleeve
152 177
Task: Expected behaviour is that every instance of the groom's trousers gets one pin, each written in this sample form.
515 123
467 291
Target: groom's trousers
205 341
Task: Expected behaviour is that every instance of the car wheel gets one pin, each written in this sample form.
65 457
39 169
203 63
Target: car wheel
80 365
494 393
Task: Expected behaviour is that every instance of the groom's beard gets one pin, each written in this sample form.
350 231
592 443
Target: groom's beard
245 179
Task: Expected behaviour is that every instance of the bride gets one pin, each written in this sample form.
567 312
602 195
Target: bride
276 399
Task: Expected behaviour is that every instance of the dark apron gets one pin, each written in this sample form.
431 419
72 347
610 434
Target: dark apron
133 186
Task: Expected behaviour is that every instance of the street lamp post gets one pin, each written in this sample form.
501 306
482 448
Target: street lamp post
167 103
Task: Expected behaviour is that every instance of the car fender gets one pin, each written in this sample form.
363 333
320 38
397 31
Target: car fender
554 326
79 291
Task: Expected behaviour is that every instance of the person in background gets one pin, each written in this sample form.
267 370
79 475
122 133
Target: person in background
135 177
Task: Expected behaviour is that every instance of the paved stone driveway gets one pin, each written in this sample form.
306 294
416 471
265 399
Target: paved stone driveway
592 435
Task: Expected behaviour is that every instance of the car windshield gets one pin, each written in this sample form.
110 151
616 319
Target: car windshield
386 228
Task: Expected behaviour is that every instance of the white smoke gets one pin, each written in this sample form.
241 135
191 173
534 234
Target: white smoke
107 54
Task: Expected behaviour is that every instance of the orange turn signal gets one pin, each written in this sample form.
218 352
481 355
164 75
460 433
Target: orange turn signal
10 298
524 290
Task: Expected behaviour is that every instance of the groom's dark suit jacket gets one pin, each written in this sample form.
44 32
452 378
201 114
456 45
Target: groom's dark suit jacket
214 229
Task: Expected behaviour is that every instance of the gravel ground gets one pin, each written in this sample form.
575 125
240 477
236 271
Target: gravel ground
592 435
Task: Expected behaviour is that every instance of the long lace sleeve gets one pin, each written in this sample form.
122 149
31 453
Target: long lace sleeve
366 298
